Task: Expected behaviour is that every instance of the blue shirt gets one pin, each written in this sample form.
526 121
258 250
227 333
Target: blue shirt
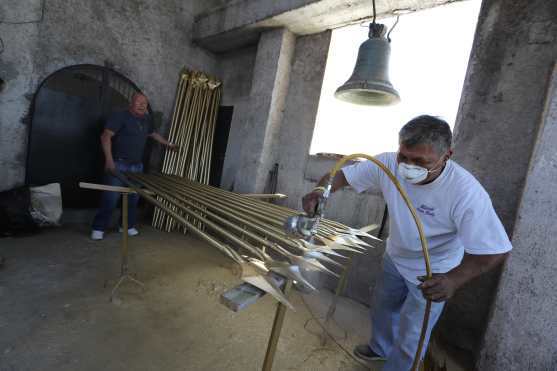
130 135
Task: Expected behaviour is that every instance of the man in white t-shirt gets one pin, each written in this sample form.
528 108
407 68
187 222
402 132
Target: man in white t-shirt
465 236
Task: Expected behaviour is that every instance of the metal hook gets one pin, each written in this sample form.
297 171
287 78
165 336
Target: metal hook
392 28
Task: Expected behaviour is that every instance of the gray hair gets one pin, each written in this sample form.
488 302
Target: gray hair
427 129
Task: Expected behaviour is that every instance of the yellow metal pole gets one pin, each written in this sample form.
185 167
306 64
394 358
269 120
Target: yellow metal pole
179 218
275 332
124 249
124 233
419 226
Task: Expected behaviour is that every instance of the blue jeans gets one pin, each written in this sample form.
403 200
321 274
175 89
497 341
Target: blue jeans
109 200
396 319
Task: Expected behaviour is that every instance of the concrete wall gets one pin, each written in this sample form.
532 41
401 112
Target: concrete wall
202 7
499 118
148 42
251 149
269 90
236 70
523 321
222 28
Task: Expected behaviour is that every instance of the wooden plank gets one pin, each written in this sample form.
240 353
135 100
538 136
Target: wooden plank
103 187
245 294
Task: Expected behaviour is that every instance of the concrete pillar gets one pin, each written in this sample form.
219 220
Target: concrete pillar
501 105
300 112
259 131
523 330
499 118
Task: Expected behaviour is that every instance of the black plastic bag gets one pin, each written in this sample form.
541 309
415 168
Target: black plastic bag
15 218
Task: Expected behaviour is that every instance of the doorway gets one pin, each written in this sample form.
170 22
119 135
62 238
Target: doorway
220 142
69 111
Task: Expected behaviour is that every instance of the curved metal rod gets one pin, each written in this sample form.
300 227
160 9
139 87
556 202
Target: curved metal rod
404 195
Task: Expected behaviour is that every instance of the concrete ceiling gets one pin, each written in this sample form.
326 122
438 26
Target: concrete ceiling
239 22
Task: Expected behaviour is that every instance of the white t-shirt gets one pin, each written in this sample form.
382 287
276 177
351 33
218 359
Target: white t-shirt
455 210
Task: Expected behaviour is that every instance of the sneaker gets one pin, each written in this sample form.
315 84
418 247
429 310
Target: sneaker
97 235
364 352
131 232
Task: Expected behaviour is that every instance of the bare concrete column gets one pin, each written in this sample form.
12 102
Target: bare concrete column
308 70
500 114
522 334
271 77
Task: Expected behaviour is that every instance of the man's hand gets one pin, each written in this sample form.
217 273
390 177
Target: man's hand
439 288
311 200
442 287
158 138
109 166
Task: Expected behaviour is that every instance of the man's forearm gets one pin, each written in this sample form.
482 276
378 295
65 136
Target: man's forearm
442 286
473 266
160 139
106 144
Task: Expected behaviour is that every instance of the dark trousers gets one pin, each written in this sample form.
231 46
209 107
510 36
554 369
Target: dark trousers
109 200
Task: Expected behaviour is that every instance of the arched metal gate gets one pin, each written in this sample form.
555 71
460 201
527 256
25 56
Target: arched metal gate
68 114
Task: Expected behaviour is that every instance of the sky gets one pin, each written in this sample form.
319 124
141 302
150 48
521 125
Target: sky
429 56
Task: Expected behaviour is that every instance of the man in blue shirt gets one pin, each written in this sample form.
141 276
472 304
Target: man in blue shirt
123 141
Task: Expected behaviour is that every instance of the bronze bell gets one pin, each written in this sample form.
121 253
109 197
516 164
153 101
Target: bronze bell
369 83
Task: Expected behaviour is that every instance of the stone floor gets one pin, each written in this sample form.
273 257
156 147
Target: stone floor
55 312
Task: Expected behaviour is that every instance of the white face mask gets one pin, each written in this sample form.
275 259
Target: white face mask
413 173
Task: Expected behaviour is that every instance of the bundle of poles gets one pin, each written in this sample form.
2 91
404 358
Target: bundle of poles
250 231
192 130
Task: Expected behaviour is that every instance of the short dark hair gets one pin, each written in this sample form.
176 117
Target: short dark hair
427 129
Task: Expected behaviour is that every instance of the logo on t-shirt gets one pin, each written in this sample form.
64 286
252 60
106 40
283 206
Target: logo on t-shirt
426 210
